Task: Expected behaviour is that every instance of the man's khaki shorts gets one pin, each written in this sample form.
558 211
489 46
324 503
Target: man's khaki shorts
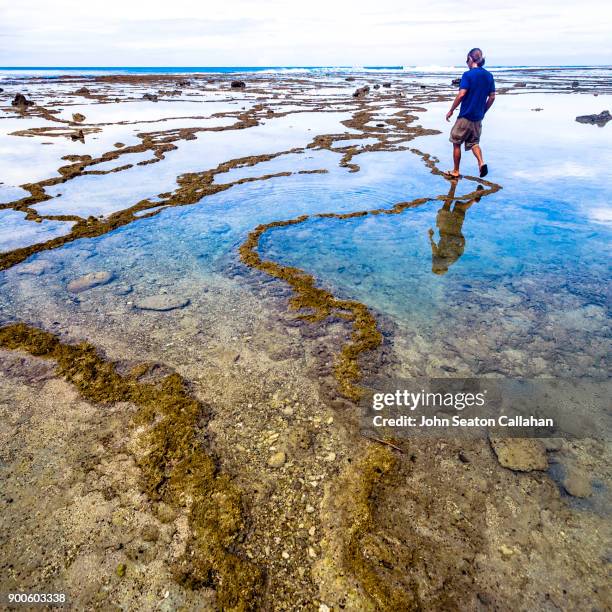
466 132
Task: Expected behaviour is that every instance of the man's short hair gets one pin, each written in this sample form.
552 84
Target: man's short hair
476 56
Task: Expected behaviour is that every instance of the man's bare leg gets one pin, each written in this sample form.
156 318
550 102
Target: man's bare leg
478 154
456 160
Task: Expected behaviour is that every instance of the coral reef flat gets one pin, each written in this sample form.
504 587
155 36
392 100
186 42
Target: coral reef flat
202 276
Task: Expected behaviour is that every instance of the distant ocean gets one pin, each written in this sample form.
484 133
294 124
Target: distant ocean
54 71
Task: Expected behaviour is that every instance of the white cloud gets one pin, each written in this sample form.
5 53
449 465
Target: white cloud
318 32
567 169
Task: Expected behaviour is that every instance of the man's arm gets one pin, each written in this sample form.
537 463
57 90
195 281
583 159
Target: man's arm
490 101
456 103
434 246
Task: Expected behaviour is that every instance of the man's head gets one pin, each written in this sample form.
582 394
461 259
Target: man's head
475 58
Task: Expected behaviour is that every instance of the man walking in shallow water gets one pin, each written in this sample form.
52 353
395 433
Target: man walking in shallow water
476 95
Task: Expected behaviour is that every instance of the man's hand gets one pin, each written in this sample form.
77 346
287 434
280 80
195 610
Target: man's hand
449 114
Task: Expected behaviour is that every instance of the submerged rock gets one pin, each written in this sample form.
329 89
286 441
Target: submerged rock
377 86
83 91
387 84
349 79
21 100
520 84
89 281
238 85
596 119
36 268
161 302
520 454
151 97
577 483
123 290
221 228
456 82
575 84
78 117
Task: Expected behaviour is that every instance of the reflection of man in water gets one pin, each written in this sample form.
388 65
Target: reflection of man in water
449 222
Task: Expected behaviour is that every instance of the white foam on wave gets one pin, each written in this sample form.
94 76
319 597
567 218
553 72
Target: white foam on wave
431 68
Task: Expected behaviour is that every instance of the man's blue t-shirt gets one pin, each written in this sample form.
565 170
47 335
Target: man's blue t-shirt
479 84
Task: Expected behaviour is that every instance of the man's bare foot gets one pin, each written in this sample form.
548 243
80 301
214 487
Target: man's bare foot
452 173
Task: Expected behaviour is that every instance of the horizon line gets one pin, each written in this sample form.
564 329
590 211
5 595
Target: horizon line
391 66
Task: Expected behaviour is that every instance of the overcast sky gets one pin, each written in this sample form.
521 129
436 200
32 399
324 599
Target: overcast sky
309 33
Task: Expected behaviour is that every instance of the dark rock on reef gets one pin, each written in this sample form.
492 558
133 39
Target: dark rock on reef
463 457
21 100
184 83
238 84
575 84
78 136
361 92
83 91
78 117
456 82
380 125
349 79
520 84
151 97
377 86
1 90
601 119
386 84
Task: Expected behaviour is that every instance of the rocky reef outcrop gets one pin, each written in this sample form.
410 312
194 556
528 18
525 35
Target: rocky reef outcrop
599 119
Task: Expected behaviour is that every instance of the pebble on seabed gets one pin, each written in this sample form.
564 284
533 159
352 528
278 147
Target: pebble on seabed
277 460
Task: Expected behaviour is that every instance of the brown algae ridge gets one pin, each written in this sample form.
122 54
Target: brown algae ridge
175 468
371 470
348 567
